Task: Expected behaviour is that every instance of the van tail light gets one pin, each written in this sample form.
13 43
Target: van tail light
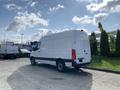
73 54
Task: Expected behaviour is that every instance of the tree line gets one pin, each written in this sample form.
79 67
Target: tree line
109 44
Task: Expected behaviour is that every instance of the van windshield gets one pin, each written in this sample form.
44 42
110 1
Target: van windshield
35 46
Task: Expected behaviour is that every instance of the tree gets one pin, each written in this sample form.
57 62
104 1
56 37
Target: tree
112 42
104 44
100 27
118 42
93 44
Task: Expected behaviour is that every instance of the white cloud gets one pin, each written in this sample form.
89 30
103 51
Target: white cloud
41 32
13 6
102 9
39 14
82 20
105 6
24 20
98 31
87 1
99 17
44 31
89 20
92 7
115 9
16 38
59 6
33 4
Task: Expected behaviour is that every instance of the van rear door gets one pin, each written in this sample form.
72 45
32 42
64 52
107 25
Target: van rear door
82 48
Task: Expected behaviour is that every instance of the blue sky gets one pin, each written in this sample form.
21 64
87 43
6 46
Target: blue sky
33 17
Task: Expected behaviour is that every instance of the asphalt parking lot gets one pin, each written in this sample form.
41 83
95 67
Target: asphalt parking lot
18 74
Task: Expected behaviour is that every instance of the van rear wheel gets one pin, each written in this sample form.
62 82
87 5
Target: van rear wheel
32 60
60 65
77 68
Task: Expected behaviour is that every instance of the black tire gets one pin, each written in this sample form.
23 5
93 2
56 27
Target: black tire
77 68
60 65
12 56
32 61
2 56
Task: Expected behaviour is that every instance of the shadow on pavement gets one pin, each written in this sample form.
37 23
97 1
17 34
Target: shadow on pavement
46 77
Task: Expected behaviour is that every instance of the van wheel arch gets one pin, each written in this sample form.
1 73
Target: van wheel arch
32 60
60 64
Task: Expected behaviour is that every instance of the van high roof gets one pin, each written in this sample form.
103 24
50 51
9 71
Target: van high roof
67 33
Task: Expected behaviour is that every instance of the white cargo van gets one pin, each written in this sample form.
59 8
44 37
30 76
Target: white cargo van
65 47
8 49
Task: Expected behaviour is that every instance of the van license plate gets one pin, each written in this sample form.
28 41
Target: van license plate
80 59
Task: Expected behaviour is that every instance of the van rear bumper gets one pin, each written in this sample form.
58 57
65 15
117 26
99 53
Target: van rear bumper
74 64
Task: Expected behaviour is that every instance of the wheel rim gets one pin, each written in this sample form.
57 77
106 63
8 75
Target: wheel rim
60 66
32 61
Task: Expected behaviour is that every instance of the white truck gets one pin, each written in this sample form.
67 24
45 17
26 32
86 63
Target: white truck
8 50
61 48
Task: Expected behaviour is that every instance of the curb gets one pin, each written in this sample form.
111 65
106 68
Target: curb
104 70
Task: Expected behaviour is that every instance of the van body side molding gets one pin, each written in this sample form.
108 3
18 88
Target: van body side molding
53 59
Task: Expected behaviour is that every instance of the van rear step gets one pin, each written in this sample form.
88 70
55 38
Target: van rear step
74 64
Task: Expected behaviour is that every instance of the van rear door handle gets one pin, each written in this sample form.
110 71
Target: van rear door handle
85 52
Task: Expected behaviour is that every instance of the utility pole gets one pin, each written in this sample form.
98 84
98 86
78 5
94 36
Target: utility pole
21 38
4 37
41 34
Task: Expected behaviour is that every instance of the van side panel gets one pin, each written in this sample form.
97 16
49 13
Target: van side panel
56 47
8 49
63 47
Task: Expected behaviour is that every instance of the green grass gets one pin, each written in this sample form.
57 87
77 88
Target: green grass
105 63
